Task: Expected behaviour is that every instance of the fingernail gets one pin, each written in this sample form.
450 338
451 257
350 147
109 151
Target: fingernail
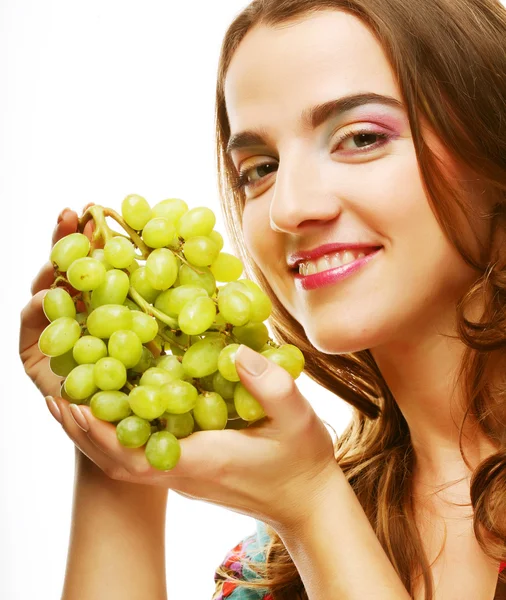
62 214
79 417
252 362
53 408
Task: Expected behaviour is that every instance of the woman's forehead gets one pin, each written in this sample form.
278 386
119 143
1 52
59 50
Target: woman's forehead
324 56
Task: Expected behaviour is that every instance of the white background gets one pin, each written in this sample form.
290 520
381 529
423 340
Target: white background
98 99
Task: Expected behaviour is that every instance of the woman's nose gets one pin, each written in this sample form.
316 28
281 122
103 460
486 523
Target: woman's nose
303 198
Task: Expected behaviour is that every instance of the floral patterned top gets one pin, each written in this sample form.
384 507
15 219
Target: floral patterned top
253 547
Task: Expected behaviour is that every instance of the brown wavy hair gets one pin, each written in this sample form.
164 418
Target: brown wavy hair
449 59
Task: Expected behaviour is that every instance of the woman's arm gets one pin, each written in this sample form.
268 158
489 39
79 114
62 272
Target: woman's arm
337 553
117 540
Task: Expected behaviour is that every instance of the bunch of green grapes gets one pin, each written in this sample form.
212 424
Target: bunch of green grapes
143 335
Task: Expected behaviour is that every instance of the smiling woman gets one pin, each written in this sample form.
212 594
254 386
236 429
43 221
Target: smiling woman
361 151
362 167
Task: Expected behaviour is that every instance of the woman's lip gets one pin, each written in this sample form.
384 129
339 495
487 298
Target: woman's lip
330 276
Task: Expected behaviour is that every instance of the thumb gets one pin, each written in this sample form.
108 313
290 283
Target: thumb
271 386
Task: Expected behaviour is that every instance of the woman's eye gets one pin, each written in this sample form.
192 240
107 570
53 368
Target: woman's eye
363 140
246 177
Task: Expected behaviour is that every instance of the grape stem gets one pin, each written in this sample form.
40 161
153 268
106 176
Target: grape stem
151 310
102 230
134 236
230 335
59 279
86 298
181 257
171 341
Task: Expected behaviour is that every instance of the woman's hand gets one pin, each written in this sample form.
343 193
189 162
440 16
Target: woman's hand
275 471
33 319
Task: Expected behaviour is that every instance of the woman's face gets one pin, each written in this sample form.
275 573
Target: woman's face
307 186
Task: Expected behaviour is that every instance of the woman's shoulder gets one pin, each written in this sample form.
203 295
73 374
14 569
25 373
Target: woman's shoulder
253 548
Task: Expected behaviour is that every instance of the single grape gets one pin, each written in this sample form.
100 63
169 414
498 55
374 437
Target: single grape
180 426
247 407
261 305
86 274
136 211
287 356
172 209
161 268
59 336
126 346
139 281
254 335
98 254
217 238
89 349
197 221
62 365
197 315
222 386
158 232
226 362
235 307
144 326
172 365
226 267
147 401
210 411
119 252
109 373
68 249
80 382
156 377
201 359
146 361
172 300
113 290
163 450
110 406
58 303
179 396
204 279
200 251
107 319
133 432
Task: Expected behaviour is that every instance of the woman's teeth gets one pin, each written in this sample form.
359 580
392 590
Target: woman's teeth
329 261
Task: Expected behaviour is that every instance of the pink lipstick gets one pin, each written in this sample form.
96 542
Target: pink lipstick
331 276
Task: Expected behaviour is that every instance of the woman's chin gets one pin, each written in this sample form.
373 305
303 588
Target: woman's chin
335 341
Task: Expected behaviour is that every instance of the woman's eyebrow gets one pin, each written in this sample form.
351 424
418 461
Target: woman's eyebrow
313 117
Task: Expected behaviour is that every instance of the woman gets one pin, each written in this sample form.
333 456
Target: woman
360 126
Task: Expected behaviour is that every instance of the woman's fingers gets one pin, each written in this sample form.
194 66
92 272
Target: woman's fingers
83 441
43 279
274 388
67 224
103 436
33 321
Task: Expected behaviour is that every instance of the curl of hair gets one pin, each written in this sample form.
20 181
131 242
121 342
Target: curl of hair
449 59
